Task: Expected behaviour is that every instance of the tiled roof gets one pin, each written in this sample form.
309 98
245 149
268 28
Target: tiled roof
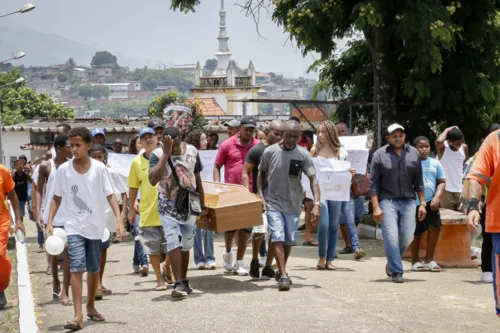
31 146
208 106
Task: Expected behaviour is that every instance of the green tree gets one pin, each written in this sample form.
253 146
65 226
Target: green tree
133 108
21 103
210 64
71 63
104 59
100 92
152 78
432 61
85 91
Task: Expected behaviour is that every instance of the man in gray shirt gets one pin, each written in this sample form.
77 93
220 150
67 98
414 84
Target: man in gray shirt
282 165
396 174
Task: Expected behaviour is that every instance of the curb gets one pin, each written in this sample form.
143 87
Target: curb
27 319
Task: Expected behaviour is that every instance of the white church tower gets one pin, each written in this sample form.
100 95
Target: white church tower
227 81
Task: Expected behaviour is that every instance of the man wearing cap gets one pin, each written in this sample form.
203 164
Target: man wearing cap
150 229
99 137
157 125
233 126
396 174
231 155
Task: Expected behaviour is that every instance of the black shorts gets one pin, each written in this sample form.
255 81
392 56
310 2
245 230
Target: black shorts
432 220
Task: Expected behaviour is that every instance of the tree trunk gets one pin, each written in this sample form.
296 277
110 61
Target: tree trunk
384 88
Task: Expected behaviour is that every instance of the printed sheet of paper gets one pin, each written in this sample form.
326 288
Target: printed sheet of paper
207 158
333 177
358 153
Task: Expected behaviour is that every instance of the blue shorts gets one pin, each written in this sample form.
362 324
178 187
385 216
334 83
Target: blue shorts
84 254
22 208
105 245
495 238
178 234
283 227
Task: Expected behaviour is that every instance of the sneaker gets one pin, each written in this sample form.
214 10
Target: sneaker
211 265
346 250
487 277
277 277
284 283
136 268
228 261
3 300
179 290
200 265
187 287
144 270
239 268
397 278
267 273
262 261
388 271
255 269
359 253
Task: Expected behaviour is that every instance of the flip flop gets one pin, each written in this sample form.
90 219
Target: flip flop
66 302
73 325
96 317
161 288
310 243
330 267
105 291
321 267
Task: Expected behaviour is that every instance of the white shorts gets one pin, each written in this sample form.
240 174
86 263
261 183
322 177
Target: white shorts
261 229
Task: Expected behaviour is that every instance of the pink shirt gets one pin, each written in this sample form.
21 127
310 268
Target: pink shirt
232 156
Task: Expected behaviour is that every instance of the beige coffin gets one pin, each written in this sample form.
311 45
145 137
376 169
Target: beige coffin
230 207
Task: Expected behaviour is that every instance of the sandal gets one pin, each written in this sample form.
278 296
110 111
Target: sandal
98 295
417 267
66 302
105 291
321 266
73 325
310 243
330 267
96 317
49 271
161 288
432 266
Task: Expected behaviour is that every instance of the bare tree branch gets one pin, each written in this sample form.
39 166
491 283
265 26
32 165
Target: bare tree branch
252 8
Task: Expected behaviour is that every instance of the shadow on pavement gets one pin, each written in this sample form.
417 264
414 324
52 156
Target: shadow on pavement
404 279
86 323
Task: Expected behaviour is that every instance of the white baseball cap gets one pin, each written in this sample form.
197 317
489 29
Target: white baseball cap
394 127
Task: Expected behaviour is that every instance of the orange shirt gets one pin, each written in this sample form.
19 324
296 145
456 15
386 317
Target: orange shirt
6 185
486 170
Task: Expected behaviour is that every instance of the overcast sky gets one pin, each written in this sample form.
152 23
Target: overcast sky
148 29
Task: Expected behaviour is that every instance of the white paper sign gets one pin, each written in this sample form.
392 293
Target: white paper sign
121 163
354 142
358 159
207 158
358 153
333 177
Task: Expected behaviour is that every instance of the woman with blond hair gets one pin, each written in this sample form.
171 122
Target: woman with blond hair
329 147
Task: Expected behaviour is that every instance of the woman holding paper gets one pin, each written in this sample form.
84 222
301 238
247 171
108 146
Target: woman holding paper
329 147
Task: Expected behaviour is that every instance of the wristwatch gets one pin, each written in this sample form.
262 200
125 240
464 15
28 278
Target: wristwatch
318 204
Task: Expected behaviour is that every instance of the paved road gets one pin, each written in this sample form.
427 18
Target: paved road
358 297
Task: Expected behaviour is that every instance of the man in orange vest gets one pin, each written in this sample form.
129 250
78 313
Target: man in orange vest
7 186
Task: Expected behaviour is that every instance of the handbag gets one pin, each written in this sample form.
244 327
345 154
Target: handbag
360 185
187 201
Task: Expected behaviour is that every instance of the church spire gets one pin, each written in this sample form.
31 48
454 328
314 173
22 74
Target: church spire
223 54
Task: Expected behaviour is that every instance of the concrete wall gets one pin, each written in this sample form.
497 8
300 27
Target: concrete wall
12 142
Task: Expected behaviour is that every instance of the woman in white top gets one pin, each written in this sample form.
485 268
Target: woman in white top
328 146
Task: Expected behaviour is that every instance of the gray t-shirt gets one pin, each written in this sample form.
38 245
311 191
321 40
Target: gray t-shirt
284 169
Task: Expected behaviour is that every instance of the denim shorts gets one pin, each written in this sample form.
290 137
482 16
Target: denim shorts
22 208
179 234
153 240
283 227
105 245
84 254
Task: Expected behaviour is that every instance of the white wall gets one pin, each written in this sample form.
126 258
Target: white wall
12 142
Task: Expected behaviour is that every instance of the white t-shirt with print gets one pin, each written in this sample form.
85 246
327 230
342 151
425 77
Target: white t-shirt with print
86 198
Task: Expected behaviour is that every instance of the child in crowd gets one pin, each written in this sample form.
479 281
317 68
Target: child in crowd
86 185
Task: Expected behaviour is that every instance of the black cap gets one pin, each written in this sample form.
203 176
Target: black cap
248 121
155 123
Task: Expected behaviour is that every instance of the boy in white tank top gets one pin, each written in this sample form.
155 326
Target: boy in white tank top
46 181
452 153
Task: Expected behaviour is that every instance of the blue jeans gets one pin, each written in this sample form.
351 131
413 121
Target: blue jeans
203 246
398 227
359 207
139 257
328 228
348 216
495 261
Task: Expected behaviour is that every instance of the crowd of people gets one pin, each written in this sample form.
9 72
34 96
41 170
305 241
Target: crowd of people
73 187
